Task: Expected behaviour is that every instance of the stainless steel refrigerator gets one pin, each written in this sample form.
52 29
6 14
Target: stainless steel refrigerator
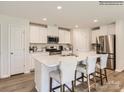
107 44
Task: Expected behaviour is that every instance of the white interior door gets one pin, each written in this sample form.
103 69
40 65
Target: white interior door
16 49
0 50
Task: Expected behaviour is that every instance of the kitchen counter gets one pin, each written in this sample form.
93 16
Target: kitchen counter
45 63
48 61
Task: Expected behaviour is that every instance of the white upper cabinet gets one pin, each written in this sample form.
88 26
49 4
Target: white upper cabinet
67 37
107 30
95 35
34 34
38 34
81 41
64 36
61 36
52 31
43 35
111 29
104 30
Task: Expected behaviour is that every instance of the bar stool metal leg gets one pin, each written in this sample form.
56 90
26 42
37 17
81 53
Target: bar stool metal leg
88 82
106 75
75 78
50 85
101 77
62 88
82 77
94 74
73 86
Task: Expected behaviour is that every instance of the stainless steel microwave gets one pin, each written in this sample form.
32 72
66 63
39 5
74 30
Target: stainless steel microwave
52 39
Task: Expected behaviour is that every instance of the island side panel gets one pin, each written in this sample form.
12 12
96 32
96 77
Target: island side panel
42 77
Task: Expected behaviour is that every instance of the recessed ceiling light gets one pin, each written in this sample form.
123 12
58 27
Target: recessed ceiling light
44 19
59 7
95 20
76 26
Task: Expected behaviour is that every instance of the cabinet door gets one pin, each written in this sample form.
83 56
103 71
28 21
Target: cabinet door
52 31
103 30
31 62
67 37
75 40
34 34
111 29
43 35
94 36
80 40
61 36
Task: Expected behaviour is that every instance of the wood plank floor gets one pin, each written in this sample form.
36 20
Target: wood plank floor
25 83
18 83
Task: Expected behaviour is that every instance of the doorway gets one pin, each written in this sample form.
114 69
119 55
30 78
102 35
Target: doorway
17 57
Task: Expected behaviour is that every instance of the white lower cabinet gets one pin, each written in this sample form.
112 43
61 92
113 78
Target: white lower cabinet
31 62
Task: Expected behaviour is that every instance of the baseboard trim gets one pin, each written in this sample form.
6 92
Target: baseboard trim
119 70
4 76
26 72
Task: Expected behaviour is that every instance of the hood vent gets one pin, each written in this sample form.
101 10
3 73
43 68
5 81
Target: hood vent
95 28
63 28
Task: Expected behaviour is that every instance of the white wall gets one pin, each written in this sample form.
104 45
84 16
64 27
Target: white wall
5 21
120 45
0 49
81 39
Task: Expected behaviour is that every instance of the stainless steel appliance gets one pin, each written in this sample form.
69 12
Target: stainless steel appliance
54 50
107 45
53 40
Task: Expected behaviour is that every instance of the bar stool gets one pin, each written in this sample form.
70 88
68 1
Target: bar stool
102 66
88 69
64 74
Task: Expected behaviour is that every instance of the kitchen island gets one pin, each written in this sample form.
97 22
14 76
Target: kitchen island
45 64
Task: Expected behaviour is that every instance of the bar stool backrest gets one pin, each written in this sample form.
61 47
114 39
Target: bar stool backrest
91 64
103 61
67 68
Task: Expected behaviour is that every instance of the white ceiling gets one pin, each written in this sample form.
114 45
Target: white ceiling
72 13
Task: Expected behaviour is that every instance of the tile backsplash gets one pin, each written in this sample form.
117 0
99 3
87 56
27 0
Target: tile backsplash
41 47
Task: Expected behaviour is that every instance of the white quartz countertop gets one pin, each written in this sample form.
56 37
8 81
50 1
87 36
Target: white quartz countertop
51 61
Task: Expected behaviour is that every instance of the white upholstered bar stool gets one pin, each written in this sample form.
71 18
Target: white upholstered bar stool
65 73
102 67
88 69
